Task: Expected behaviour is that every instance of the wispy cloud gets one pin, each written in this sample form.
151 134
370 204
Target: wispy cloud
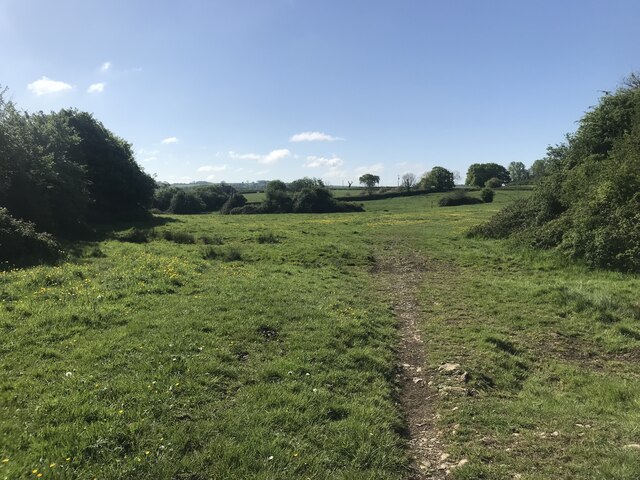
96 87
332 162
45 86
244 156
313 137
149 159
275 156
271 157
105 66
213 168
169 140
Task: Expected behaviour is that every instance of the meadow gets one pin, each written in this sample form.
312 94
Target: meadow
265 346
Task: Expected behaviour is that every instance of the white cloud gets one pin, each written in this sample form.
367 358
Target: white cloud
375 168
45 86
244 156
105 66
275 155
332 162
313 137
169 140
149 159
272 157
96 88
213 168
142 151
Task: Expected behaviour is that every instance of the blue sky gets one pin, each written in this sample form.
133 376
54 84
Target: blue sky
260 89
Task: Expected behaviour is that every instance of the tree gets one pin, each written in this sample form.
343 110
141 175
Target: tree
439 179
370 181
479 173
306 182
538 169
518 172
116 183
408 181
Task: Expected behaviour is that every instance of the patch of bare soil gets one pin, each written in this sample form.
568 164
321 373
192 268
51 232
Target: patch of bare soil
400 276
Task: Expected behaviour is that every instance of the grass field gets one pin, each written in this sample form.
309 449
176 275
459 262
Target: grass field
266 350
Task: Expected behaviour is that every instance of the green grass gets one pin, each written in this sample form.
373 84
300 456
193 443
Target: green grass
264 349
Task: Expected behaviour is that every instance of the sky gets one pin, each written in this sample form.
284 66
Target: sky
245 90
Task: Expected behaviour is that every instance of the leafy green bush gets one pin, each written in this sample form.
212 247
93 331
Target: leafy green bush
457 197
486 195
209 253
587 203
267 238
186 201
493 183
210 240
236 200
133 235
20 242
178 237
232 254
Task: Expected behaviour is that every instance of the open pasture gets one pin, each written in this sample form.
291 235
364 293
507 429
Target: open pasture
263 347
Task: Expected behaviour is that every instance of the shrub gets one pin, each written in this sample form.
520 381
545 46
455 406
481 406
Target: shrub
493 183
178 237
209 253
487 194
186 201
20 242
234 201
587 203
133 235
267 238
232 255
457 197
210 240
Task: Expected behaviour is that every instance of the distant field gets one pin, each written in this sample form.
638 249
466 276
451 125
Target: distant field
270 353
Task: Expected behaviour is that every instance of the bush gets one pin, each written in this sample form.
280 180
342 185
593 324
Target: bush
209 253
184 238
457 197
20 242
236 200
486 194
587 203
210 240
493 183
232 255
267 238
133 235
186 201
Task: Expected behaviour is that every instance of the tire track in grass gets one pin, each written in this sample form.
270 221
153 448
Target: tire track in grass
400 275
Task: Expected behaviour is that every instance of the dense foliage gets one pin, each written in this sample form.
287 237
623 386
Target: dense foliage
457 197
588 203
479 173
61 170
19 239
205 198
305 195
369 181
438 179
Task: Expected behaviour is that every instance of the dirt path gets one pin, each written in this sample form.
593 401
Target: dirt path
401 276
